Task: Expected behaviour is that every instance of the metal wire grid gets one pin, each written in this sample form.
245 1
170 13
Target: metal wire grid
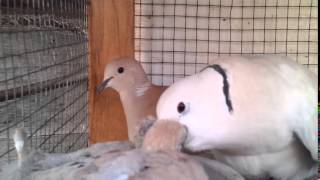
43 74
179 37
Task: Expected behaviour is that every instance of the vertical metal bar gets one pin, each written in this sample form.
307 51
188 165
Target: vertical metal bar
26 117
287 29
241 29
151 52
48 41
13 67
162 43
230 43
276 30
42 95
185 40
1 14
298 32
309 31
76 94
219 27
208 33
7 121
253 27
196 39
264 26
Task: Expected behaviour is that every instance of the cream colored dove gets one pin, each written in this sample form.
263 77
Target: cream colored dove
120 161
257 113
138 95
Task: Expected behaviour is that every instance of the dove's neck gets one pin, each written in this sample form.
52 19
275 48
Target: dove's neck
134 104
137 89
141 89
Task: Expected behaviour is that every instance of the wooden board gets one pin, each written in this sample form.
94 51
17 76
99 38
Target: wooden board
111 35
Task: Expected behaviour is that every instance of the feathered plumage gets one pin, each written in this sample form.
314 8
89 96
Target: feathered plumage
258 113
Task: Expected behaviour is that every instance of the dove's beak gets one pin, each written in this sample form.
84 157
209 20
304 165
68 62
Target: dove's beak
103 85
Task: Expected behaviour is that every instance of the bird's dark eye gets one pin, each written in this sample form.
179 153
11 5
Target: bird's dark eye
120 70
181 107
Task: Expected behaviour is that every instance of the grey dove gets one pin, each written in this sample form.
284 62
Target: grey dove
138 95
258 114
120 161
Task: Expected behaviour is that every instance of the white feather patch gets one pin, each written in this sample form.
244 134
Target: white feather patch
142 89
19 145
122 177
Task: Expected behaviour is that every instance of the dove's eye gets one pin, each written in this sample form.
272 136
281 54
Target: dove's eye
120 70
181 107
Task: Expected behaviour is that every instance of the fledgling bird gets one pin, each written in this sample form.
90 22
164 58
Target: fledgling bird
157 159
169 136
165 135
138 95
257 113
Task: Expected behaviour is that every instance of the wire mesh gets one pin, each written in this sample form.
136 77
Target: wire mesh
179 37
43 74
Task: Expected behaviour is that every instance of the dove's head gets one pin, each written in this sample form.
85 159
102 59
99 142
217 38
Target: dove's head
165 135
123 74
198 103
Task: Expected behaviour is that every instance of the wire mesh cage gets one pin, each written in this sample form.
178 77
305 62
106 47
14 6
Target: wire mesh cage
43 74
43 54
179 37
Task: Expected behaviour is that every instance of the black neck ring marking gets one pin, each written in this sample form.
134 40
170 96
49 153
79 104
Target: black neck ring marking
226 86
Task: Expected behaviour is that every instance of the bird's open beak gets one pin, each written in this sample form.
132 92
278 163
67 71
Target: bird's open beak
103 85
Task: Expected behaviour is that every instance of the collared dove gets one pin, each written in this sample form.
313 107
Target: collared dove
120 161
257 114
138 95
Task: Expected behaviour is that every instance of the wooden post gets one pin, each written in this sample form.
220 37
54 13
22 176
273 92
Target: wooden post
111 35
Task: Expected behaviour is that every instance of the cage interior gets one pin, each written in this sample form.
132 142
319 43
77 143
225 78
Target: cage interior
44 51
